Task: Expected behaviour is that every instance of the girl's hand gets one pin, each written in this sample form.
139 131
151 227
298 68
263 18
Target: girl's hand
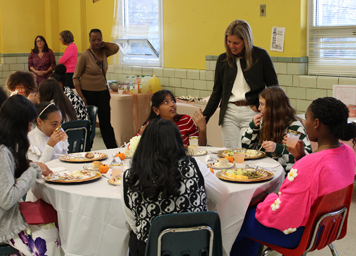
199 120
298 152
257 119
269 146
45 170
56 137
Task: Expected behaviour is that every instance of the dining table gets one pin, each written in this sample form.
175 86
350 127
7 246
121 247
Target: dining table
91 218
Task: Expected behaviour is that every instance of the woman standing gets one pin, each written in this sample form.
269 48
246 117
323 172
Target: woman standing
90 81
41 60
241 73
70 56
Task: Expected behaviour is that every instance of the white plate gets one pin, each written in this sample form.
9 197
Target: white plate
118 181
200 153
231 165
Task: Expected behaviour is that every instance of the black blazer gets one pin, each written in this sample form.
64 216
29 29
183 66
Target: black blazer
262 74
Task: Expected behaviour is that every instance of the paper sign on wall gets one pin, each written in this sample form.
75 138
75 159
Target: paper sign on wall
345 93
277 39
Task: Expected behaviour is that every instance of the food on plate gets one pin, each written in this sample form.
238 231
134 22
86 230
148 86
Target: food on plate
71 175
252 153
243 174
89 155
230 158
95 164
193 150
115 181
103 168
212 170
223 162
121 155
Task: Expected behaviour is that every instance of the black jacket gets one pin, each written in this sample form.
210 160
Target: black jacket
262 74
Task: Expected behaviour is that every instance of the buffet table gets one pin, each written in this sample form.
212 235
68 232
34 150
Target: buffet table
91 219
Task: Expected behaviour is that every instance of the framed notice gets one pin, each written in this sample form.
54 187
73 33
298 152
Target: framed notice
345 93
277 39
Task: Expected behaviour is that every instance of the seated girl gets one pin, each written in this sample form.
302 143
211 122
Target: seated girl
17 176
278 117
23 83
163 105
46 141
158 178
60 75
281 217
49 90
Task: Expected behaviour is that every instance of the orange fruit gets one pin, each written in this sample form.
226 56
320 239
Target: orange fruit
103 168
230 158
212 170
121 155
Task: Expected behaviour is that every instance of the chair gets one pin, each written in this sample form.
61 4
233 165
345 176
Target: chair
6 249
78 135
327 223
92 112
185 234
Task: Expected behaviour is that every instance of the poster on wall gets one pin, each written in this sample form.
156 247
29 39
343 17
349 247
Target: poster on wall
277 39
347 94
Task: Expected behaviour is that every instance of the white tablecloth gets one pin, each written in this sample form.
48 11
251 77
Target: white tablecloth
91 219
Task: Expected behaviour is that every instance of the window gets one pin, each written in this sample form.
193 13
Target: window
139 32
332 37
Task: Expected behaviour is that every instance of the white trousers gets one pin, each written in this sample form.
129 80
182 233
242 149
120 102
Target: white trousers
236 122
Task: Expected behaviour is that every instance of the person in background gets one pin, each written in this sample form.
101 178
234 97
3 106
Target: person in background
41 60
241 73
280 219
23 83
18 176
90 81
70 56
157 182
46 141
3 96
163 105
78 104
50 91
278 118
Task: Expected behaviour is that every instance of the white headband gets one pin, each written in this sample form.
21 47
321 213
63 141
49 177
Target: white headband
45 109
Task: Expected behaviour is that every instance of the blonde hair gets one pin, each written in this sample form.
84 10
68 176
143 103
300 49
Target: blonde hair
242 30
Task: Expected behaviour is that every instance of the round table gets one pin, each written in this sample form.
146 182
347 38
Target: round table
91 219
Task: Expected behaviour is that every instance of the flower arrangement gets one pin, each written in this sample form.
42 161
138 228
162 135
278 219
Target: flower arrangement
131 148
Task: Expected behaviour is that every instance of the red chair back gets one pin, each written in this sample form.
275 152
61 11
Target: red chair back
330 228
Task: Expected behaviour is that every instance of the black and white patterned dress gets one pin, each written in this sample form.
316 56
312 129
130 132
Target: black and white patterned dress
192 198
78 104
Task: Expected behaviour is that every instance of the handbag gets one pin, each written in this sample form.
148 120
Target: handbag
38 212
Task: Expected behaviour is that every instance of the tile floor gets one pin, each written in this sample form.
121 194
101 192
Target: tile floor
344 247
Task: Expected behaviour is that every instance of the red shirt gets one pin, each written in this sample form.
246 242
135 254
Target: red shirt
186 128
41 64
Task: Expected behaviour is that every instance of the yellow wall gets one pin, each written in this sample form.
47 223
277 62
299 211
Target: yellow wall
192 29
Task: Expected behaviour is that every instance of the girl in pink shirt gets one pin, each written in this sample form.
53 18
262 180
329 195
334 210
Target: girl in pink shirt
281 217
70 56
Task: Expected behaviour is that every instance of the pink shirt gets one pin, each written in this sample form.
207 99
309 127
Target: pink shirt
69 58
314 175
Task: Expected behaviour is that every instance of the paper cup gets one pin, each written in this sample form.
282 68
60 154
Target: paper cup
193 140
116 171
239 157
292 139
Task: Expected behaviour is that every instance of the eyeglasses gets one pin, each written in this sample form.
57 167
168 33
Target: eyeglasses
39 41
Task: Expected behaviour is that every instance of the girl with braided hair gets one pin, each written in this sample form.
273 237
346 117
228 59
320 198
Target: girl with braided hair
280 219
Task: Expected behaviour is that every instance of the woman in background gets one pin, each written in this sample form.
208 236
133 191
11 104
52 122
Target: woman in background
90 81
50 91
161 176
78 104
23 83
278 118
70 56
280 219
41 60
18 176
241 73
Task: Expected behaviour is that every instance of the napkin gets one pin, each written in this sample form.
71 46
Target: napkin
38 212
209 159
58 169
107 175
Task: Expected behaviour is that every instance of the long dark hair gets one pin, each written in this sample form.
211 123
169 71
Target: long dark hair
334 113
50 90
45 48
278 115
15 115
60 75
156 101
155 162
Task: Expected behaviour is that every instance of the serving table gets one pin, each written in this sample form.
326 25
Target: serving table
91 218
